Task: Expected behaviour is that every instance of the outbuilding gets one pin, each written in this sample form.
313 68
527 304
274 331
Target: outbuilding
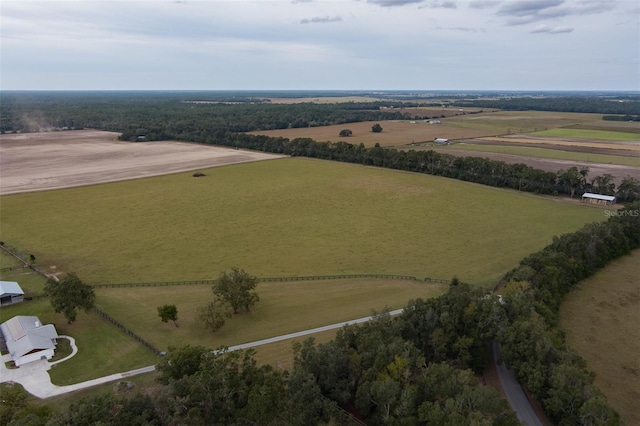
591 198
441 141
10 293
27 340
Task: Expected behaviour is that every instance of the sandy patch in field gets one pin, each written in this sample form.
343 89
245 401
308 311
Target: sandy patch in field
587 143
52 160
549 164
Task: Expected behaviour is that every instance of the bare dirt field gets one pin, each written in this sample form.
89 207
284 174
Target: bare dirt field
52 160
549 164
585 143
549 144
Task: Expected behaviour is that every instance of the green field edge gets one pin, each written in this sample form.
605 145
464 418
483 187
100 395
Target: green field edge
603 135
545 153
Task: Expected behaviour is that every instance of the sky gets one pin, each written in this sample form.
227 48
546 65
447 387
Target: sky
417 45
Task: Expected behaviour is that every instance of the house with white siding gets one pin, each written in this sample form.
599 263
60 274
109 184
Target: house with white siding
27 340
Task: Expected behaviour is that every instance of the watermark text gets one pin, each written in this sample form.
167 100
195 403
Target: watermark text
621 213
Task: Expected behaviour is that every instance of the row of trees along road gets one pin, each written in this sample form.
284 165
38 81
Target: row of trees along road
531 342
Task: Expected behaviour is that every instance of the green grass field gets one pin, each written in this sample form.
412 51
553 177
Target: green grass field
606 135
509 122
286 217
601 320
549 153
31 283
284 307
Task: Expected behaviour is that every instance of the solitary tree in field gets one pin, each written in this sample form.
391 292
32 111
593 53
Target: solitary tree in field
69 294
213 314
345 132
377 128
236 287
168 313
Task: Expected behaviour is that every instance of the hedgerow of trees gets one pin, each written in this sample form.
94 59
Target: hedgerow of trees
531 342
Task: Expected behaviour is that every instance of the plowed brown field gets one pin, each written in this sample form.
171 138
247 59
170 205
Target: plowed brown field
50 160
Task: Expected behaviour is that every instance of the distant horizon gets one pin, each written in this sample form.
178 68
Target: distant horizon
335 91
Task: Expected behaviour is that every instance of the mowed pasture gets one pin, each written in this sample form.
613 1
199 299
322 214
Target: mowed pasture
284 308
508 122
603 135
394 133
286 217
601 320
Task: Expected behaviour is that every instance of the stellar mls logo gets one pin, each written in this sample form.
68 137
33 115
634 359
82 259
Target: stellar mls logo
621 213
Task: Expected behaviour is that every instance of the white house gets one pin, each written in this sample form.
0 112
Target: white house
27 340
10 293
441 141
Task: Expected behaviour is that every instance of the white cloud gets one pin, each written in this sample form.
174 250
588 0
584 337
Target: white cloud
543 28
393 3
321 20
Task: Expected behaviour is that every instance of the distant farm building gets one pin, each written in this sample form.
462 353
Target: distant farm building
27 340
10 293
591 198
434 121
441 141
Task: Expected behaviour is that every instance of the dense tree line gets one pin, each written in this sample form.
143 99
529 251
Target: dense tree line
531 342
186 116
624 105
626 117
485 171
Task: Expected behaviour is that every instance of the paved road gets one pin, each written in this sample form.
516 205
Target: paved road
514 392
306 332
34 376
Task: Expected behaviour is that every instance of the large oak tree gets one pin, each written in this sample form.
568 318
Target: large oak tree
70 294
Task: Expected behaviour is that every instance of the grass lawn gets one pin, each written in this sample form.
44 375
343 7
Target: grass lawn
601 321
286 217
549 153
283 308
589 134
102 348
30 282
